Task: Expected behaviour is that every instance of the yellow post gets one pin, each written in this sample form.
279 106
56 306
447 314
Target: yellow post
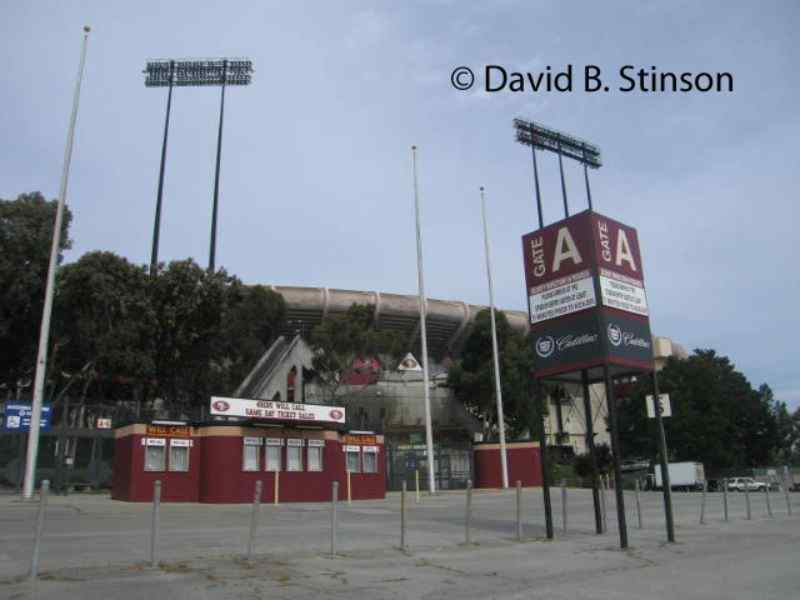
349 489
416 477
277 486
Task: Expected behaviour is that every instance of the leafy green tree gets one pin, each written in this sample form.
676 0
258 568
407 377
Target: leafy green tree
717 417
472 376
340 341
104 324
26 236
252 318
189 305
210 330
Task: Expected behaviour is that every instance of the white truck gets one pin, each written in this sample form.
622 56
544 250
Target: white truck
682 476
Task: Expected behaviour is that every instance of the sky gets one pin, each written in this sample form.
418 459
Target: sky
316 184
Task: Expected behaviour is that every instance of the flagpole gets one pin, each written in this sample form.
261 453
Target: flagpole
44 332
423 334
495 353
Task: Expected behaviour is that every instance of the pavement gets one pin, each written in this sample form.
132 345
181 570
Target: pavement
94 547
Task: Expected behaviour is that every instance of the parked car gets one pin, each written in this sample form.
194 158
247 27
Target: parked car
740 484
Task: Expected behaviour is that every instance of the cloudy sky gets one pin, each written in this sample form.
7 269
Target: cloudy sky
316 182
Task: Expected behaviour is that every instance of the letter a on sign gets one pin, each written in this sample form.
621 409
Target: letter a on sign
565 249
624 250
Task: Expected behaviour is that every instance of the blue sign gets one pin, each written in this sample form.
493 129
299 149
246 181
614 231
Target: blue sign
18 417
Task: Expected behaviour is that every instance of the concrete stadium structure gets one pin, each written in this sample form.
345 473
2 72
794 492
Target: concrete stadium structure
448 321
448 325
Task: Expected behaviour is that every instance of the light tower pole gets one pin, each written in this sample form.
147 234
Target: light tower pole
194 73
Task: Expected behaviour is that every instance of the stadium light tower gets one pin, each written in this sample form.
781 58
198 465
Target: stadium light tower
194 73
536 135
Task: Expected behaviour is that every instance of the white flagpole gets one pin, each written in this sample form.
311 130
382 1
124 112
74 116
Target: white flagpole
498 392
44 333
423 333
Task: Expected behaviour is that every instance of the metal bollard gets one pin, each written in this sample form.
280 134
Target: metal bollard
638 506
603 486
703 504
334 500
154 524
769 504
725 498
37 540
786 494
519 510
564 505
416 477
747 500
254 519
468 514
403 518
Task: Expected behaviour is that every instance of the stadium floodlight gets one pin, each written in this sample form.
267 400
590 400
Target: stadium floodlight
194 72
198 72
535 135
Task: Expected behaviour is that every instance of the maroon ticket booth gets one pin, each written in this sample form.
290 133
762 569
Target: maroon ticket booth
296 456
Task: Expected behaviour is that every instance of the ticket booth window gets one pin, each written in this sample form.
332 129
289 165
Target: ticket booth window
353 461
273 455
315 458
370 460
154 455
294 455
179 455
251 454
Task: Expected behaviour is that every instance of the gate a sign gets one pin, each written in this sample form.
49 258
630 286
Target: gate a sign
586 297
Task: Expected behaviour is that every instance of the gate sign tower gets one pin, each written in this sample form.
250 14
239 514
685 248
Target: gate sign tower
589 319
586 299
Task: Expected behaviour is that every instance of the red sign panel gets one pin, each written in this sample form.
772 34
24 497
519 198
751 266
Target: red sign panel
582 241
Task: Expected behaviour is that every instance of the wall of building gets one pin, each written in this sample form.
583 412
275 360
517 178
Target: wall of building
524 464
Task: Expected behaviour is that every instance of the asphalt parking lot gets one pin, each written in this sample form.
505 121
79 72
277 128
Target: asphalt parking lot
97 548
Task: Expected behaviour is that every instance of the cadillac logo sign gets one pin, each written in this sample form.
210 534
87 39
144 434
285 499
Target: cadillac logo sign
614 334
545 346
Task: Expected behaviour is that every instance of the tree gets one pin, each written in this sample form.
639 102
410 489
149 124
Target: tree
209 331
251 321
472 377
104 323
26 237
717 417
342 342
